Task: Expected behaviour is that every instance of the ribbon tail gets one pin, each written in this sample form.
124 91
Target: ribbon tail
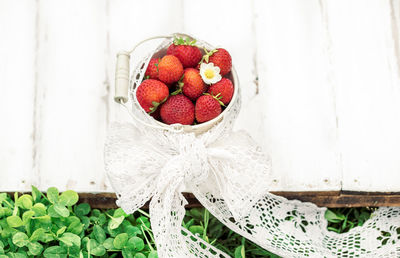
132 165
167 210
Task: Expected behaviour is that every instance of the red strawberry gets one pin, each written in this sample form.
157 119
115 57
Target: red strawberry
152 69
151 93
156 114
185 51
224 88
192 84
221 58
207 108
170 69
177 109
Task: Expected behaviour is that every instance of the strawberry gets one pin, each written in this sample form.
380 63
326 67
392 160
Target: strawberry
185 51
151 93
207 107
170 69
156 114
192 84
219 57
224 88
152 69
177 109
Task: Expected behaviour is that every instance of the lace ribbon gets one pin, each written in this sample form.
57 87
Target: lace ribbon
228 173
229 177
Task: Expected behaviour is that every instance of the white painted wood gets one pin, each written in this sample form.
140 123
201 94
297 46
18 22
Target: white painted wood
17 85
73 108
295 121
320 84
366 68
232 29
129 22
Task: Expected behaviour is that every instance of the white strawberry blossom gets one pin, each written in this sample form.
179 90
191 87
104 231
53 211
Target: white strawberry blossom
210 73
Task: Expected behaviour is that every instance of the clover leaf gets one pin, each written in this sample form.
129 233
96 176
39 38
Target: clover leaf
120 240
20 239
35 248
52 194
68 198
14 221
82 209
70 239
55 252
135 244
99 234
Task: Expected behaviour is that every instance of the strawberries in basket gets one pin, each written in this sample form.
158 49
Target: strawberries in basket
189 85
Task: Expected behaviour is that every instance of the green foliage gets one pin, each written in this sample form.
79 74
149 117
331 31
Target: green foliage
202 223
341 220
54 225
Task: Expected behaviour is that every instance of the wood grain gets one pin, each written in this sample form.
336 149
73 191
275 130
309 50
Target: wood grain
17 91
367 94
72 42
319 79
294 118
330 199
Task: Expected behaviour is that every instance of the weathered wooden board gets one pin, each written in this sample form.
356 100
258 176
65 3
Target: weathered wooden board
330 199
320 84
17 86
365 63
73 94
130 22
295 119
234 30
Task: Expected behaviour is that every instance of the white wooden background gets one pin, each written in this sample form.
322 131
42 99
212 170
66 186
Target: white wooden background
320 82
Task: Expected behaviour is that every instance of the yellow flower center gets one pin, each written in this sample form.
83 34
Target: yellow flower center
209 73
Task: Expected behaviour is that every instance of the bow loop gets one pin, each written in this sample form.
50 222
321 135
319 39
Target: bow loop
140 167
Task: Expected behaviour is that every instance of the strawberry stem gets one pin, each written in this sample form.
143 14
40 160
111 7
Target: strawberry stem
207 55
217 97
185 42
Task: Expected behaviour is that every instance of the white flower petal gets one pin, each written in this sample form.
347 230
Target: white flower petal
216 71
218 77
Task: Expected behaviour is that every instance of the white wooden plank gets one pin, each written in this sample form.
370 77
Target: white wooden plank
232 29
17 83
73 111
130 22
296 122
368 93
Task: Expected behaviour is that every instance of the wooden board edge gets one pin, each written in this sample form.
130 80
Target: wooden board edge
330 199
